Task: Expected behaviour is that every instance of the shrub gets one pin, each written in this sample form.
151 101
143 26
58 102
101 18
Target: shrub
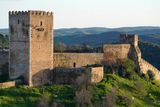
110 98
44 101
140 88
127 69
151 74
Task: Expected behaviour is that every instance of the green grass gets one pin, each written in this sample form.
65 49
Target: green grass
131 93
140 93
24 96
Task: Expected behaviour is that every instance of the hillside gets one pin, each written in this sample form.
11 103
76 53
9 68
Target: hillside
113 90
104 35
146 33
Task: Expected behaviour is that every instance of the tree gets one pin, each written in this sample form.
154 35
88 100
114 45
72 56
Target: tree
128 68
60 47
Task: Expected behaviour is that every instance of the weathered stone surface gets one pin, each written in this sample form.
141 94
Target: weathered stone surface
7 84
116 51
73 60
147 66
96 74
77 76
19 46
31 43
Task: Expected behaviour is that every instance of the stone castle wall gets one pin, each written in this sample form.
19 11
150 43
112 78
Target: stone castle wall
32 56
135 54
147 66
8 84
31 44
116 51
41 44
73 60
96 74
19 45
77 76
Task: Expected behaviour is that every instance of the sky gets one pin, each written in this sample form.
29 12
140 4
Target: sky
89 13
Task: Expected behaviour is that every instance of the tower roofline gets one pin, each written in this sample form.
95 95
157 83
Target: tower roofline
31 12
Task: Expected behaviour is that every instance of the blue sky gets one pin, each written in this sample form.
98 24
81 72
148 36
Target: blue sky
89 13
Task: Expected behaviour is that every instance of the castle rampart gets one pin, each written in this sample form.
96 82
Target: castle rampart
73 60
116 51
146 66
32 56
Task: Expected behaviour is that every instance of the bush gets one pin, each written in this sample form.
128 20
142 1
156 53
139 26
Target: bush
151 74
127 69
140 88
125 100
110 98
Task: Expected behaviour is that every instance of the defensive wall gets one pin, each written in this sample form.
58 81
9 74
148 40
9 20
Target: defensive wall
8 84
141 65
116 51
77 76
145 66
73 60
32 55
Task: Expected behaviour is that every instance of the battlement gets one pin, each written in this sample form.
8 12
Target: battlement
30 12
129 38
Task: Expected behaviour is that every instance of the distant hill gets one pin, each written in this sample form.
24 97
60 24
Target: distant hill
4 31
96 36
90 39
99 35
97 30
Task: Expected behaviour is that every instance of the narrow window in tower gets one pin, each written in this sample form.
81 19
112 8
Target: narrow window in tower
18 21
41 23
74 64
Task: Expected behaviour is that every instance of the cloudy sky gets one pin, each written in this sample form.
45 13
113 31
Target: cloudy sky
89 13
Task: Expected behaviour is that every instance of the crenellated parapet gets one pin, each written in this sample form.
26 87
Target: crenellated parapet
129 38
30 12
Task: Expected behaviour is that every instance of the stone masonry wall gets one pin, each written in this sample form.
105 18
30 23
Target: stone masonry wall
19 45
116 51
96 74
8 84
147 66
41 45
73 60
77 76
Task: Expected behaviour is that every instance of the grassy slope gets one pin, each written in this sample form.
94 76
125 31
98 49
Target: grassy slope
126 89
137 91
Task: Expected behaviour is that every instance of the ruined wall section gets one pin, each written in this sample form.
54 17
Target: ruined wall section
147 66
116 51
95 74
41 45
135 54
76 59
19 45
77 76
129 39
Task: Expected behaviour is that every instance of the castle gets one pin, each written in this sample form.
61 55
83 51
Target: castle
31 53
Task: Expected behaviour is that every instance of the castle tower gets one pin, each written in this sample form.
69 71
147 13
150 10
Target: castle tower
31 45
129 39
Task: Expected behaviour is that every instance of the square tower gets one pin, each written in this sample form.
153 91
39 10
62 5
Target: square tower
31 45
129 39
